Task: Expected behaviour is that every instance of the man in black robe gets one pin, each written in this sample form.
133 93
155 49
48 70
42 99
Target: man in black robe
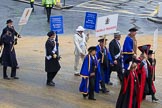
52 65
9 56
12 31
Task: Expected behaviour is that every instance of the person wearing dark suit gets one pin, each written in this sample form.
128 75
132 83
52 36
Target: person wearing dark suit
115 51
32 4
52 65
14 34
10 28
9 56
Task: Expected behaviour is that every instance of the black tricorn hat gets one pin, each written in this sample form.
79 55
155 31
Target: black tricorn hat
92 48
133 29
134 60
9 21
50 33
102 40
144 48
150 52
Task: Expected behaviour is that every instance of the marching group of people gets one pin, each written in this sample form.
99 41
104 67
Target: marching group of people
136 74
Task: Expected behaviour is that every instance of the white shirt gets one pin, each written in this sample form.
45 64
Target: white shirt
80 43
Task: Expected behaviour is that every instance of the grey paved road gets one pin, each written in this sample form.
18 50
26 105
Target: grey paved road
30 90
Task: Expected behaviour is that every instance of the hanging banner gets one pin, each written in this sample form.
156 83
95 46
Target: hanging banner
106 25
155 40
56 24
25 16
90 21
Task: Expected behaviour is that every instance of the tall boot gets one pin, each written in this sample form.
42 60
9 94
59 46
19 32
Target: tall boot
154 98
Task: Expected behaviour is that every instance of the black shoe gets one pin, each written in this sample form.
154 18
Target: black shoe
91 98
50 84
105 91
85 95
48 21
53 83
6 78
17 67
154 99
15 77
77 74
110 83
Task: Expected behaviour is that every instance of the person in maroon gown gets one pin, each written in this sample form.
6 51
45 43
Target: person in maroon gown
129 89
146 73
142 70
151 76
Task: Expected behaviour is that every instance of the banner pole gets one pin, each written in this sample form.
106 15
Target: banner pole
104 46
20 28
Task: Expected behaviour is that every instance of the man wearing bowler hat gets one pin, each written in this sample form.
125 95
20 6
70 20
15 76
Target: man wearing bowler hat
80 42
10 28
130 46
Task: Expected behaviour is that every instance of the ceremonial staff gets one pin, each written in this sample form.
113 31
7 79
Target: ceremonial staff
104 46
57 46
20 28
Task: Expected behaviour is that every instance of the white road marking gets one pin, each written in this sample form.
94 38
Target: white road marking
108 6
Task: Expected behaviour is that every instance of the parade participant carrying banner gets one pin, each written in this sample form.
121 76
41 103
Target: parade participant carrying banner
106 25
52 65
80 41
8 55
10 28
103 57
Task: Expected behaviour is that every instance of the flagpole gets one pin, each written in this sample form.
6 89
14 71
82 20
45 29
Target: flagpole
20 28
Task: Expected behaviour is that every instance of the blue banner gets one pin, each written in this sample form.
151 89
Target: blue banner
90 20
56 24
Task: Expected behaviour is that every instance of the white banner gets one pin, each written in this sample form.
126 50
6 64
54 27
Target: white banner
155 41
106 25
25 16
